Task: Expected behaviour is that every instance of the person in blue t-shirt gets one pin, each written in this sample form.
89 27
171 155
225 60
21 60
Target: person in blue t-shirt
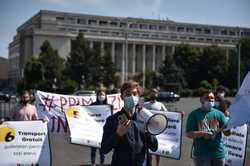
204 126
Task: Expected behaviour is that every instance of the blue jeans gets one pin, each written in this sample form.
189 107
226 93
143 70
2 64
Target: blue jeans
208 161
93 155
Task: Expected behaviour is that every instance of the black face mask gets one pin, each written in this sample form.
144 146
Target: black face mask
153 98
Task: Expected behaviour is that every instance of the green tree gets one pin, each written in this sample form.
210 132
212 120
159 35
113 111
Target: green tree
33 74
53 66
88 64
187 60
77 64
171 74
109 70
245 57
213 64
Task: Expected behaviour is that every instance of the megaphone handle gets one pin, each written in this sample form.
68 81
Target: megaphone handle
147 150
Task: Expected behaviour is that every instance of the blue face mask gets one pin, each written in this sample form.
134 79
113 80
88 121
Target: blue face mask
131 101
208 105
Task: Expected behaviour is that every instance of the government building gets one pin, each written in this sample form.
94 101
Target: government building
136 45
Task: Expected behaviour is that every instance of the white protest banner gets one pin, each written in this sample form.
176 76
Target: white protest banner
235 146
239 110
24 143
86 123
169 142
116 101
53 105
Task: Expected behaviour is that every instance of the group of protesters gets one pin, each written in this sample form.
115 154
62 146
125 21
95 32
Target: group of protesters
128 139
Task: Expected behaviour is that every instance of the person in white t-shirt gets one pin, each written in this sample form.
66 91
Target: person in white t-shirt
153 104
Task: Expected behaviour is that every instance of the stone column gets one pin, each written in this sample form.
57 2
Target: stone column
163 56
143 65
113 52
102 49
133 58
91 44
153 58
123 63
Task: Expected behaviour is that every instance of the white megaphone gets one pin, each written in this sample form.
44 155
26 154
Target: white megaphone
155 123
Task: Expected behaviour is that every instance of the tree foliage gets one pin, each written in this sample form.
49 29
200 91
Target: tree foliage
41 72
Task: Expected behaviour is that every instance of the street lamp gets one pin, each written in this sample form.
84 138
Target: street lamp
239 45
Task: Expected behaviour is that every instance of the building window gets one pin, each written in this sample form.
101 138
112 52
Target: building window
93 31
81 21
172 28
198 30
162 28
92 22
209 39
216 31
103 23
123 25
115 33
183 37
224 32
191 38
155 36
232 33
114 24
153 27
83 30
145 35
143 26
71 20
180 29
190 30
207 31
59 18
133 26
217 40
174 37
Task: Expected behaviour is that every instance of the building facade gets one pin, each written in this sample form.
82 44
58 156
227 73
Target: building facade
135 44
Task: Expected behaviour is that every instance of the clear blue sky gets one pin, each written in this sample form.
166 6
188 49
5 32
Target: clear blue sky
218 12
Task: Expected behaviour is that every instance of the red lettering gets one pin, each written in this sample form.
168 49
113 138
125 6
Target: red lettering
63 102
53 124
47 103
61 123
72 101
87 102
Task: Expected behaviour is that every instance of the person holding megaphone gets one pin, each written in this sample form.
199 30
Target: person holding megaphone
125 133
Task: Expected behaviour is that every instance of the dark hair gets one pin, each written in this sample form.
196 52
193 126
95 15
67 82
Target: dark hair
154 90
131 85
22 101
205 91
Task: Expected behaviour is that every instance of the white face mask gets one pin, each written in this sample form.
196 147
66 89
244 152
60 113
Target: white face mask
208 105
101 98
131 101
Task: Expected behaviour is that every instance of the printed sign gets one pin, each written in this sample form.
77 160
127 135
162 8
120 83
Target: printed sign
24 143
169 142
235 146
86 123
